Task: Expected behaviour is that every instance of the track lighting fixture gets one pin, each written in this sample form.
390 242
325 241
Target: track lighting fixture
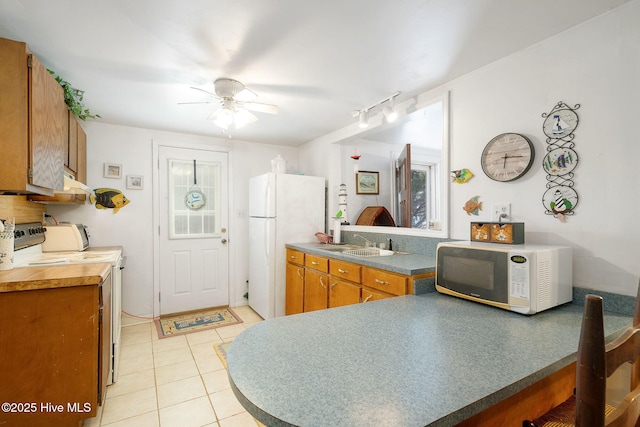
364 119
388 111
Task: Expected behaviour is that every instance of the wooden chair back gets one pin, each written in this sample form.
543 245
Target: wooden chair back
597 361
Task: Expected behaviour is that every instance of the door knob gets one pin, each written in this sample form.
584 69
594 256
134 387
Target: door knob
223 241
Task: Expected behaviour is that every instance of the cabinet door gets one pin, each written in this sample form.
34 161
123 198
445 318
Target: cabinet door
371 295
71 148
104 325
315 290
343 293
295 289
14 125
81 170
49 128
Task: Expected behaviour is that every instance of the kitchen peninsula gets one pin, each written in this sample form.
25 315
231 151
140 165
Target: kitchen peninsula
415 360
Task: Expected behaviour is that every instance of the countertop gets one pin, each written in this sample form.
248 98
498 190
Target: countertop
53 276
416 360
403 263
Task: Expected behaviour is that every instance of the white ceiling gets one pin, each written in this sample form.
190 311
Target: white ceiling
317 60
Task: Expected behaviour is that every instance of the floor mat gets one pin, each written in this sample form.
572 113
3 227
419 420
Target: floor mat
221 350
194 322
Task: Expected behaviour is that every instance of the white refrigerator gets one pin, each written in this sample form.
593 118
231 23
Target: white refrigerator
283 209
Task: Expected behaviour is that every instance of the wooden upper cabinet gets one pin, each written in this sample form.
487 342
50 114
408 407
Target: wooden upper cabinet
76 150
34 123
49 128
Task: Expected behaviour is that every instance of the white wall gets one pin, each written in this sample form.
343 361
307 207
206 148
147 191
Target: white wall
597 65
132 226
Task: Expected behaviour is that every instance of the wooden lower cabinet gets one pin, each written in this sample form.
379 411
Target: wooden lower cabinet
316 283
295 289
343 293
55 354
371 295
316 290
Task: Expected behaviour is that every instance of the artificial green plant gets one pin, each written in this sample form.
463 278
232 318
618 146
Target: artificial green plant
73 99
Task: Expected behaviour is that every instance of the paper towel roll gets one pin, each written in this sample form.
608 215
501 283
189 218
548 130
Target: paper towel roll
336 231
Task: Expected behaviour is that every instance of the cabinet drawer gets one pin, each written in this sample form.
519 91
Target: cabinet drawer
295 257
317 263
345 270
388 282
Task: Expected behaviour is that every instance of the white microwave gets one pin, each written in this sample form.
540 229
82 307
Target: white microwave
525 278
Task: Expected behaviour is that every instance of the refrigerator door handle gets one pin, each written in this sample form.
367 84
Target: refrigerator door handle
267 240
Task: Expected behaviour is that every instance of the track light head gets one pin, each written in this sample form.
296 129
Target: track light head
390 114
364 119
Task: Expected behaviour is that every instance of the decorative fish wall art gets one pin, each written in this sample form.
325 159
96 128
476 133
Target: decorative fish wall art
108 198
473 206
461 176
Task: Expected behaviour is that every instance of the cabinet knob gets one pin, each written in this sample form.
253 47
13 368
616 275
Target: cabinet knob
315 263
322 283
382 282
367 298
342 271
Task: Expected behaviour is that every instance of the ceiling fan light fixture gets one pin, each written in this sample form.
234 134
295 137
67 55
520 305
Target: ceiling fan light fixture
223 118
242 117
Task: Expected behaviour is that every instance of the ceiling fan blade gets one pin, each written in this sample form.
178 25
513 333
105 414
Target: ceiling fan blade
202 90
199 102
261 108
245 95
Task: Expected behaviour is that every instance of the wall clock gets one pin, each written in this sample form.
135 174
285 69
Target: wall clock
507 157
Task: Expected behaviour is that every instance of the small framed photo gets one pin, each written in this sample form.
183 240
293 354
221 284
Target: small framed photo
134 182
111 170
367 182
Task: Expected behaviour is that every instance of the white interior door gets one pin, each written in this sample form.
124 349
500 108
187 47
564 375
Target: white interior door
193 214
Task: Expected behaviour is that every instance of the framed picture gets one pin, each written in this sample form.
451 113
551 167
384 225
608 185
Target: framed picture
134 182
112 170
367 182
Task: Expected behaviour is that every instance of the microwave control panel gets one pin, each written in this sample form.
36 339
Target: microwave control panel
519 279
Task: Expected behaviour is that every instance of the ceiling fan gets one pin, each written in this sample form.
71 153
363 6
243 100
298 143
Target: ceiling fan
236 104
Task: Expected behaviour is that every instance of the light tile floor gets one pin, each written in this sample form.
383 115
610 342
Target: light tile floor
178 381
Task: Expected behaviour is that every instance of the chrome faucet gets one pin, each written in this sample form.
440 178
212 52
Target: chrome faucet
368 242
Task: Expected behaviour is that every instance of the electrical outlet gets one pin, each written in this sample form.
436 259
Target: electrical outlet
501 212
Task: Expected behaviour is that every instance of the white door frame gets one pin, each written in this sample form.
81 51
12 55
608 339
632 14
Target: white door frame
156 213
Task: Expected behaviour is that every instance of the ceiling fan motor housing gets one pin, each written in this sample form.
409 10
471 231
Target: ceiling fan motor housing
227 88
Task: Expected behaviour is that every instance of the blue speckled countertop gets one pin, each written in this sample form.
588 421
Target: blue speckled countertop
417 360
408 263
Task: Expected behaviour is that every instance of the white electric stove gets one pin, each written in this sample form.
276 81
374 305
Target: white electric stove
28 253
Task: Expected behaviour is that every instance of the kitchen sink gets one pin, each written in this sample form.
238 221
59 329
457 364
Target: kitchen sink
368 252
340 248
359 251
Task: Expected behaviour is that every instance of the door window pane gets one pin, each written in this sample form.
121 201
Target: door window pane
194 223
